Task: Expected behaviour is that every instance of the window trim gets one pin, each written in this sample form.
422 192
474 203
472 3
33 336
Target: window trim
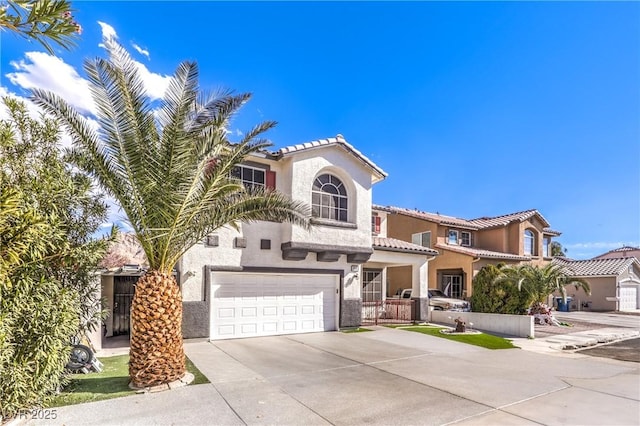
546 246
462 234
420 236
451 279
264 170
457 233
529 235
376 224
375 281
334 209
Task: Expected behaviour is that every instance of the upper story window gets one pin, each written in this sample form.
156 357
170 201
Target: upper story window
465 238
422 239
453 237
252 176
529 243
329 198
375 224
546 247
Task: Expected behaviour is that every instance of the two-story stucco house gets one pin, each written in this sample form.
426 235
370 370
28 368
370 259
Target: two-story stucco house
268 278
465 246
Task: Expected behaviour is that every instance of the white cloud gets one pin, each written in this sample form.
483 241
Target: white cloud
143 52
590 249
44 71
108 32
156 84
604 245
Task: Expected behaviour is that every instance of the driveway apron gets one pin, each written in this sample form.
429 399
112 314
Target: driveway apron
387 376
398 377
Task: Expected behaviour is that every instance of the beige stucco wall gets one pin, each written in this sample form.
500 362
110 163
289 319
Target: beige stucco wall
402 228
601 288
492 239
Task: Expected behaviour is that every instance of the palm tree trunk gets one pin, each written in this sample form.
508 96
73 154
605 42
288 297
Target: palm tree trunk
157 352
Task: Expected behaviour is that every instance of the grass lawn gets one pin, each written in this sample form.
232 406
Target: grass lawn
112 382
485 340
356 330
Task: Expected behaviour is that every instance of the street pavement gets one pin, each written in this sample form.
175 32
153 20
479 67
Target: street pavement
387 376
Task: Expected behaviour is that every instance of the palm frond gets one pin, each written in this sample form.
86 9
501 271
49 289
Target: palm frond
170 172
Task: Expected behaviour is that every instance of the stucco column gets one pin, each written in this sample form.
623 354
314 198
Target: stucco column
419 290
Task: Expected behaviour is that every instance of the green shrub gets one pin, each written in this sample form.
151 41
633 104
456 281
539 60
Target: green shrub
492 295
48 213
38 318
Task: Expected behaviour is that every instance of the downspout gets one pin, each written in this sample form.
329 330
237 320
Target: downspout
429 259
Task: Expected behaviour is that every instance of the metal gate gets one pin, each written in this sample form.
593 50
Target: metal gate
389 311
124 288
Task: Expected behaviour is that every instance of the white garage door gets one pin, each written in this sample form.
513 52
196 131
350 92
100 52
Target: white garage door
257 304
628 298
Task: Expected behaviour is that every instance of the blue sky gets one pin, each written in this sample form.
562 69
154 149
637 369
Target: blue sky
474 109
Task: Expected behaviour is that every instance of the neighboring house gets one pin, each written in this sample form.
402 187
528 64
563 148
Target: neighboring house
268 278
624 251
614 282
465 246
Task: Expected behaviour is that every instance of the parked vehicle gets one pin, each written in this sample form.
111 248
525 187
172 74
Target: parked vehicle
441 302
438 300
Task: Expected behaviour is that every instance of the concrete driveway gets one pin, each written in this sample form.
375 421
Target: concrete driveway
386 377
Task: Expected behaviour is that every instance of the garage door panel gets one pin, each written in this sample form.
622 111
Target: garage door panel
246 305
628 298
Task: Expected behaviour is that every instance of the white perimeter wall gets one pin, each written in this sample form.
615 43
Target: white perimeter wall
511 325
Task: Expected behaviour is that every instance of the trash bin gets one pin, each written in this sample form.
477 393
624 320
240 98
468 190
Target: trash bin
564 306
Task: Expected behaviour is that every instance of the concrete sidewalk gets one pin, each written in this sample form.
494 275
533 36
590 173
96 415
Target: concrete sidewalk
559 343
386 376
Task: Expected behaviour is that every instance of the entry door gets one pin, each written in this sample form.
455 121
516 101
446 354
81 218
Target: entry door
452 286
124 288
371 285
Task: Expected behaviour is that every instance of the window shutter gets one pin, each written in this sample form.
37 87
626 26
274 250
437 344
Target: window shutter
377 224
271 179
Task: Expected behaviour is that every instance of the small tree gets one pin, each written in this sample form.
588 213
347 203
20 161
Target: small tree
557 249
492 295
41 20
539 282
47 216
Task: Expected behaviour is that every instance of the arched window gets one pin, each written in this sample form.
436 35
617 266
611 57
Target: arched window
529 243
329 198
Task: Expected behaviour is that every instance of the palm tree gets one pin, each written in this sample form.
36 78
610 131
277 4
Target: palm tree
540 282
170 169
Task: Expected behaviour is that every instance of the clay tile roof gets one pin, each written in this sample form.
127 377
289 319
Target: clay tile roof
624 251
490 222
392 244
340 141
432 217
549 231
482 253
595 267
